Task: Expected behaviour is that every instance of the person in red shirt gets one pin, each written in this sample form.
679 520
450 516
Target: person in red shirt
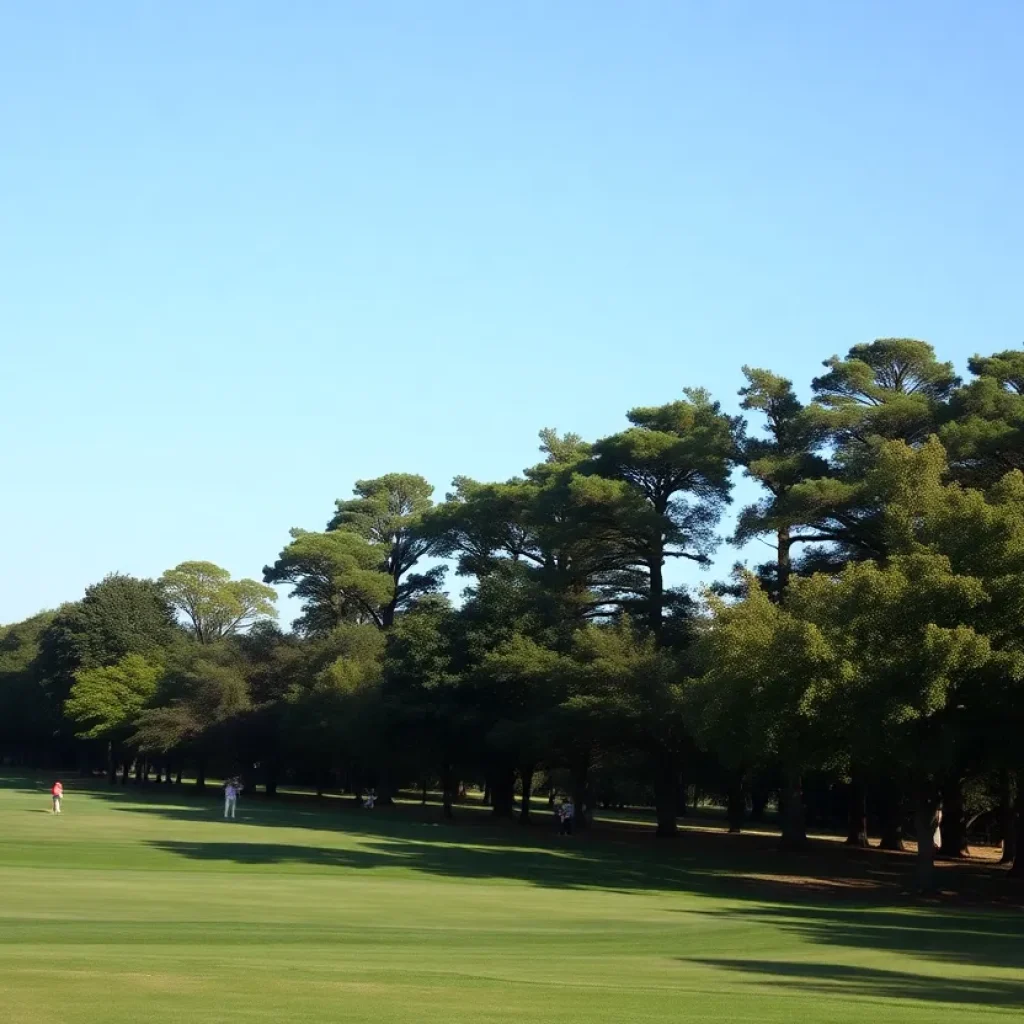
58 794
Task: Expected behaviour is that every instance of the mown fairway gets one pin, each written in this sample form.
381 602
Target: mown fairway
148 908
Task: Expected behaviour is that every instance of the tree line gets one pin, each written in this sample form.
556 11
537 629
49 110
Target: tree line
870 669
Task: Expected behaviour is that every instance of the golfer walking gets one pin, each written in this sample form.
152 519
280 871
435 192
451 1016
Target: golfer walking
58 794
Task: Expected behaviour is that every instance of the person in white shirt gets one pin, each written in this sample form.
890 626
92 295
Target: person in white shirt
231 790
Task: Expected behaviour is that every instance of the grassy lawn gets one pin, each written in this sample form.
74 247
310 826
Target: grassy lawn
144 906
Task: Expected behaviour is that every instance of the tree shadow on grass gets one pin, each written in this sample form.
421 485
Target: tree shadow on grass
26 783
345 813
951 935
747 867
831 897
828 870
867 982
979 938
548 868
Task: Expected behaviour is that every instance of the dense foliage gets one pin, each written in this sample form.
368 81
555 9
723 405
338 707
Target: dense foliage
872 668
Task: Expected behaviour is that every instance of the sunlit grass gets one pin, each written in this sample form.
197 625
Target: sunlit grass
142 905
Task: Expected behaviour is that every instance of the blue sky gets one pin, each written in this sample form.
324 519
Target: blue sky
251 252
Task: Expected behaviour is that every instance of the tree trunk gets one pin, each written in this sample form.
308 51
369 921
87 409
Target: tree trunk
758 801
656 609
1017 870
138 770
503 793
737 803
447 791
385 791
487 794
126 767
201 774
665 800
784 560
857 825
580 795
177 777
111 764
892 820
270 784
794 828
526 777
1007 816
926 820
682 796
954 825
423 795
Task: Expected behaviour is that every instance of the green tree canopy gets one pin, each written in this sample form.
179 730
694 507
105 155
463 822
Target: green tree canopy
781 458
627 690
559 522
118 616
892 388
106 701
674 463
334 706
907 659
213 604
985 430
360 569
29 714
200 695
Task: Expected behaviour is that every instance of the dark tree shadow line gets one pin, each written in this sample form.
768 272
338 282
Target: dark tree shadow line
875 983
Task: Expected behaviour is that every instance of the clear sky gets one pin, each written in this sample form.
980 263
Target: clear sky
253 251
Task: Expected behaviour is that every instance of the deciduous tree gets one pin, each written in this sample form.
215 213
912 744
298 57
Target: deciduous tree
213 604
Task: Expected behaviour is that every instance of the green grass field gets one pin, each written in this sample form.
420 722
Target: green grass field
144 906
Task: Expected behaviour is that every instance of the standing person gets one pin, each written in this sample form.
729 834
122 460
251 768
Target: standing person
568 814
231 790
57 793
